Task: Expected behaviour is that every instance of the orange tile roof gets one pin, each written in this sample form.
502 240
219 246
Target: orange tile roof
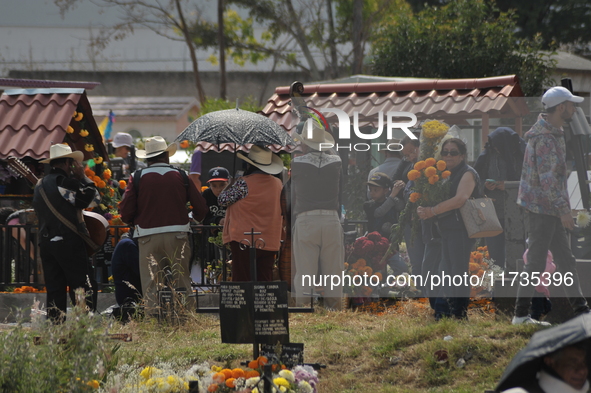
446 99
32 120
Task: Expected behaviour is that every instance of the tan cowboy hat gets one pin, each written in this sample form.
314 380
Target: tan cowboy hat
61 150
154 146
264 159
316 137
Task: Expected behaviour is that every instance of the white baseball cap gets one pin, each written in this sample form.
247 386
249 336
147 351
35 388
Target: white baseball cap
557 95
122 139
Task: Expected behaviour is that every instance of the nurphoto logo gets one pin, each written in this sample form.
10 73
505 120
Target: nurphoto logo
392 122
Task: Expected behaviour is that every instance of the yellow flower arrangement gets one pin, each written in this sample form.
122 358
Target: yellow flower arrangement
432 133
435 129
413 175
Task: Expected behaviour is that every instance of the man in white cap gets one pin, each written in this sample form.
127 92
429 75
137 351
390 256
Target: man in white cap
155 203
317 242
61 195
122 145
543 193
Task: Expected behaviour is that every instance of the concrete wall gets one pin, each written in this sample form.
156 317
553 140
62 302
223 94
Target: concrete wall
260 85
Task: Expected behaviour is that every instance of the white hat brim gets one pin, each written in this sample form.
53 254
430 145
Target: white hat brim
275 167
171 149
328 139
77 155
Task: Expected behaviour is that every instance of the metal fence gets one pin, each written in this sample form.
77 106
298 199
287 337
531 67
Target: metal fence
21 262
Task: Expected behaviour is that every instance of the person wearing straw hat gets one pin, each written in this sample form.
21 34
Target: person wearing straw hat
253 202
63 252
317 243
155 203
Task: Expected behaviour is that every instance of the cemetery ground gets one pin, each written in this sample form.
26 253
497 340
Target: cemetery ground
386 347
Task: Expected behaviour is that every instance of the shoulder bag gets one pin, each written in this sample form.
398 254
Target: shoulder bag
480 218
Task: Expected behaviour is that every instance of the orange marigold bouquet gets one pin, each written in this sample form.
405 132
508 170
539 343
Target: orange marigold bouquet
483 272
430 186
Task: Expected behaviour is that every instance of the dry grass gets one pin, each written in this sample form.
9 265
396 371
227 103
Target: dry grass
384 349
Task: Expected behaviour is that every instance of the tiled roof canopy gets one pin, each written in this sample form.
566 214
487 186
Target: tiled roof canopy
32 120
453 100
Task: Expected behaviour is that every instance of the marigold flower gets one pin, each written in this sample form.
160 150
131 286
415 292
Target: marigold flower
231 383
430 161
253 364
237 373
101 184
420 165
184 144
84 133
89 172
98 160
413 175
445 174
262 360
252 373
219 377
227 372
94 383
414 197
69 130
430 171
441 165
212 388
107 172
122 184
433 179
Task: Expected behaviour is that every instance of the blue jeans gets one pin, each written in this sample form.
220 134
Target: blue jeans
546 232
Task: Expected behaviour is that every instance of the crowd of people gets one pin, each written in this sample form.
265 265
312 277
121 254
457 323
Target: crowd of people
257 209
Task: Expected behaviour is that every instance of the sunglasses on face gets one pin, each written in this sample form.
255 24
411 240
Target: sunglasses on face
453 153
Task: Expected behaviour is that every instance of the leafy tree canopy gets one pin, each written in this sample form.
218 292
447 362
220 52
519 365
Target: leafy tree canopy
463 39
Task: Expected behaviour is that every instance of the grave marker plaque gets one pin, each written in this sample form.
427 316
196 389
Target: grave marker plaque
292 354
254 312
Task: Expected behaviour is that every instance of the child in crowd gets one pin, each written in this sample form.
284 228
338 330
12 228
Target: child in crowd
383 209
218 180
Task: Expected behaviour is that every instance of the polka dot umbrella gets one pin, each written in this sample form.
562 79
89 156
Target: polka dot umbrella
236 126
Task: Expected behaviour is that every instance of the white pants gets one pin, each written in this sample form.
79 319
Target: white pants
318 249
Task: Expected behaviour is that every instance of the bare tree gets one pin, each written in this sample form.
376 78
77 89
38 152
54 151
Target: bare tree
162 17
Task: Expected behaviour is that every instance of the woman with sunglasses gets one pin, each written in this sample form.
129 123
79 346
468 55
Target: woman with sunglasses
455 243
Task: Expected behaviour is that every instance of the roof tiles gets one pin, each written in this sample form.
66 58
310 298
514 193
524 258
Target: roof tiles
453 98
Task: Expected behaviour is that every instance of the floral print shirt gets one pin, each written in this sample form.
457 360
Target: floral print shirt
543 188
233 194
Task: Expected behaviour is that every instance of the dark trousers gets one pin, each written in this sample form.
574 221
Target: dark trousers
546 232
66 264
126 272
241 263
455 249
496 249
431 262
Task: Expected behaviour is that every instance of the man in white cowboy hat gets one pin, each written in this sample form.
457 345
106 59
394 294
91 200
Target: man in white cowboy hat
64 192
253 201
317 240
155 203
